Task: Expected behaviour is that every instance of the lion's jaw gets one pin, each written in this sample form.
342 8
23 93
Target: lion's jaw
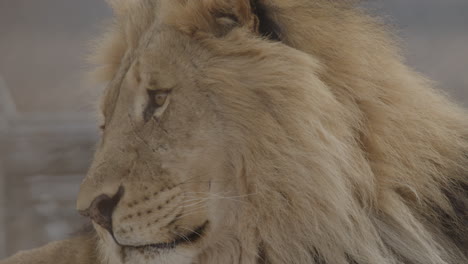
110 252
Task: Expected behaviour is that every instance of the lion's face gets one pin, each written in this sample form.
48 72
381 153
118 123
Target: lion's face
160 171
196 110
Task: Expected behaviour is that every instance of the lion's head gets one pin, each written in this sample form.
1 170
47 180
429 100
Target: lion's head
240 131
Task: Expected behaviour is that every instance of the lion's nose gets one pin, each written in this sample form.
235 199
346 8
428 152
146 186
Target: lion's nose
101 209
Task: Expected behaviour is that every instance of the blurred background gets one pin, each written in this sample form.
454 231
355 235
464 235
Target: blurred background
47 124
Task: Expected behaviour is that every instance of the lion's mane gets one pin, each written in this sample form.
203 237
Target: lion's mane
386 181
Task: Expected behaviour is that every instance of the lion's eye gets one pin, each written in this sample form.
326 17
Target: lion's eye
157 99
160 99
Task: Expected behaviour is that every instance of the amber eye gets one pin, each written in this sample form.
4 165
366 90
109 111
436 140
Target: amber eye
157 99
160 98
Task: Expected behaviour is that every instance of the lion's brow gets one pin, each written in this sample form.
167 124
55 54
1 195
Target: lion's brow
130 57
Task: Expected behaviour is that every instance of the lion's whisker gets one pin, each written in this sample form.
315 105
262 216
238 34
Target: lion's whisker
190 212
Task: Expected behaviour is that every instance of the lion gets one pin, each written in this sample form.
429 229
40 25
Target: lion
267 132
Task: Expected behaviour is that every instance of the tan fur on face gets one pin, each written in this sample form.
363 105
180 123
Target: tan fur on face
321 148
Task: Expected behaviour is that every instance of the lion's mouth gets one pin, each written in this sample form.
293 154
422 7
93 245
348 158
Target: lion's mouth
189 238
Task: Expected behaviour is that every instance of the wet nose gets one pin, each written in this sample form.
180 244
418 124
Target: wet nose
102 208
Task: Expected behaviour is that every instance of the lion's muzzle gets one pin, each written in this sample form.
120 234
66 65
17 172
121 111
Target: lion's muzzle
145 218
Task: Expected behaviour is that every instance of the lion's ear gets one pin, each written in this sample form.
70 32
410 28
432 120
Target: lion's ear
252 14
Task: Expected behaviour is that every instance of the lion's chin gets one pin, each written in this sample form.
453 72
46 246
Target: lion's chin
115 254
190 239
131 255
180 251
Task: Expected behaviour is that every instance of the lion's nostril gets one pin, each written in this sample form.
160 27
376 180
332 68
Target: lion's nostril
102 208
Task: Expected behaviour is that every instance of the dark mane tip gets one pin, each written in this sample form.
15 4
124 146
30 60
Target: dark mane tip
267 26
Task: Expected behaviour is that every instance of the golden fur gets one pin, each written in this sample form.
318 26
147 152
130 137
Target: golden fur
297 133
